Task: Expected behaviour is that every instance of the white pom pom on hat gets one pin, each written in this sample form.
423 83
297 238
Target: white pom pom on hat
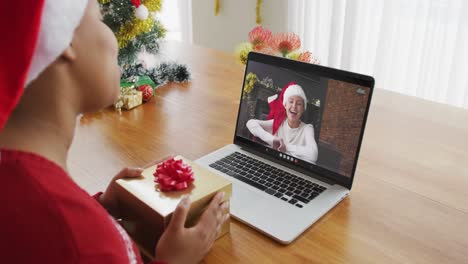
294 90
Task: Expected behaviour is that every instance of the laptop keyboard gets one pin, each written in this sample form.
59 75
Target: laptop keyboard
278 183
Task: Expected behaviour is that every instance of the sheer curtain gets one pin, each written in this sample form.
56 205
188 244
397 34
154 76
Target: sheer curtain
176 16
417 47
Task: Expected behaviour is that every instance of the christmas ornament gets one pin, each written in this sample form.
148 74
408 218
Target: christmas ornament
133 27
136 3
258 6
217 6
137 29
258 14
141 12
147 91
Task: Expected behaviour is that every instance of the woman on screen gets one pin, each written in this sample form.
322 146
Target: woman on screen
284 131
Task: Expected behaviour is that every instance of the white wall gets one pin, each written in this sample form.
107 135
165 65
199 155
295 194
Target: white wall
234 21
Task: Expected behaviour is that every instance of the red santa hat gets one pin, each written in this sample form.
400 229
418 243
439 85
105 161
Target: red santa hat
34 34
278 104
294 90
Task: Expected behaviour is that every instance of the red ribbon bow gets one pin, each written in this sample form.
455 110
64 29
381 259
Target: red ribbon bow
173 175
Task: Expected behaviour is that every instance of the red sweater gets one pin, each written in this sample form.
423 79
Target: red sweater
47 218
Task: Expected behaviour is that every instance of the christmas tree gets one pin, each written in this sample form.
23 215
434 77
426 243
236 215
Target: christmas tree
137 29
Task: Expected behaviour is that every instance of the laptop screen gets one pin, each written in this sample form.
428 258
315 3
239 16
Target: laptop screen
304 115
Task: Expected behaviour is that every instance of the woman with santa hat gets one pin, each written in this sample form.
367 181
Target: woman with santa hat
284 130
58 60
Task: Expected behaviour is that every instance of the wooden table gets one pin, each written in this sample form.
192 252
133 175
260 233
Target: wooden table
409 203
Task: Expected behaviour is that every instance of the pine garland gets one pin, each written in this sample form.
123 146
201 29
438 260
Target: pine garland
161 74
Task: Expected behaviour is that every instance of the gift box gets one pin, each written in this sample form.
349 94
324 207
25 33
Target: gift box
129 98
137 81
147 211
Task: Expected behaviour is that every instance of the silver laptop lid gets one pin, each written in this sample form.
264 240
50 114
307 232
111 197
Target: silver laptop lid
307 117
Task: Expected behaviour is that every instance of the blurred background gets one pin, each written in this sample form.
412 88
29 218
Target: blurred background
416 47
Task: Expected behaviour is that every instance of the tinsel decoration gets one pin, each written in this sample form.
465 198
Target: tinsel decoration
161 74
259 18
153 5
137 29
258 13
249 83
132 29
133 34
217 6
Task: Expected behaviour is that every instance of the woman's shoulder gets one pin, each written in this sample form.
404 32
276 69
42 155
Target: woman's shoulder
49 204
307 126
36 211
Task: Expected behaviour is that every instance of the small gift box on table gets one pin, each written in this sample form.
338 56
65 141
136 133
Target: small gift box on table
147 209
129 98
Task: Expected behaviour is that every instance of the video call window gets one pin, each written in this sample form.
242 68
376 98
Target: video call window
314 119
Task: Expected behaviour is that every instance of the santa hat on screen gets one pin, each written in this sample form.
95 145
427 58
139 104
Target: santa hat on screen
278 104
34 34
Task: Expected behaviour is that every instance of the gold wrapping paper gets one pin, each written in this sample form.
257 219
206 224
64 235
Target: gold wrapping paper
146 211
129 98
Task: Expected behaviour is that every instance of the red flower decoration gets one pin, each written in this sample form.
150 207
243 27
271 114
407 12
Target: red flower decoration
267 50
259 37
173 175
285 43
304 56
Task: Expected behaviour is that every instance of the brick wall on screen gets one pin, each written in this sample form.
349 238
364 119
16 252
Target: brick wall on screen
342 119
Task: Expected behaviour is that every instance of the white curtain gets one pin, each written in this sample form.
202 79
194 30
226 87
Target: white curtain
176 16
415 47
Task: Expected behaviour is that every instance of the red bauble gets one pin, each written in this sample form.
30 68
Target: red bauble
136 3
147 92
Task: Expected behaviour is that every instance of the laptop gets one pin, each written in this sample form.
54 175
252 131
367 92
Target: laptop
296 144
